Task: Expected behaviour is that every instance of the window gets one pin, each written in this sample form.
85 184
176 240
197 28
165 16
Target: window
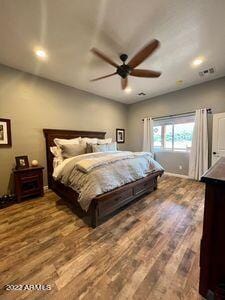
173 134
157 136
168 137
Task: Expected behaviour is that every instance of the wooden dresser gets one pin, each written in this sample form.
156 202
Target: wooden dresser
212 256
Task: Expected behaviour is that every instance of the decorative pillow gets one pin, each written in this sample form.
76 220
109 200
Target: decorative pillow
100 142
104 147
89 147
60 142
56 151
70 150
104 141
99 148
111 146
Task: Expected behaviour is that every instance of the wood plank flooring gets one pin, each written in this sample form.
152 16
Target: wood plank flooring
150 250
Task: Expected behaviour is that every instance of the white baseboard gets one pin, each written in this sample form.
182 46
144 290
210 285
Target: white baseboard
46 189
176 175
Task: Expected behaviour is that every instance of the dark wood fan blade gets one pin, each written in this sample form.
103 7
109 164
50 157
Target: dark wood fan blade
104 57
144 53
124 83
144 73
102 77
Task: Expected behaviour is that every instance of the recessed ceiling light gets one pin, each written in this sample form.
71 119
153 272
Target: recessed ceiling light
128 89
41 53
198 61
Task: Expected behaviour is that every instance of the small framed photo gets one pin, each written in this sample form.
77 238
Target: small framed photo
120 135
22 162
5 133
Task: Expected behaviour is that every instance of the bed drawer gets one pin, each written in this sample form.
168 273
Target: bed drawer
111 203
143 187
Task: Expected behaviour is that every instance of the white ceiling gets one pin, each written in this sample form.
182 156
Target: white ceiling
68 29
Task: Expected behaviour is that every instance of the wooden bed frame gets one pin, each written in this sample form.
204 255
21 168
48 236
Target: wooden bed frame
103 205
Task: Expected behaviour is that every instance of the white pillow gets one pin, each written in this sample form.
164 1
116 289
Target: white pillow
60 142
104 141
57 152
86 140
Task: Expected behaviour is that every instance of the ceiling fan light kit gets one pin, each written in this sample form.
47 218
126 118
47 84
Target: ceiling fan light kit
125 70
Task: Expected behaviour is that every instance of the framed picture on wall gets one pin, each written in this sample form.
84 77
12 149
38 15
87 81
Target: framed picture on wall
120 136
5 133
22 162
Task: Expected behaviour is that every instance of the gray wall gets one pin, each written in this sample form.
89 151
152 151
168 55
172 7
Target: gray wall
210 94
33 103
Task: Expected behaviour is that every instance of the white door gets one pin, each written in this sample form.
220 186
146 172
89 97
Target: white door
218 142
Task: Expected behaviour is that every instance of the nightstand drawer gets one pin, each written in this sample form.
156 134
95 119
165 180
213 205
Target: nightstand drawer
30 185
30 178
28 174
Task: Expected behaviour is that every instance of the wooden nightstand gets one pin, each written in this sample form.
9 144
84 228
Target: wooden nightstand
28 182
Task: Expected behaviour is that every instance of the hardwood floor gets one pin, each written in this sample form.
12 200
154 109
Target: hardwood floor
150 250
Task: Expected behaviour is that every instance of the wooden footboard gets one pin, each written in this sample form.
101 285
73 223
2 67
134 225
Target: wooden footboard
108 203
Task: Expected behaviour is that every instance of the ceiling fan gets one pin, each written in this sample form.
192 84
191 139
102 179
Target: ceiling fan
130 68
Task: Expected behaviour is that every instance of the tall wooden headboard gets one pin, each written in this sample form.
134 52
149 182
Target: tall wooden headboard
51 134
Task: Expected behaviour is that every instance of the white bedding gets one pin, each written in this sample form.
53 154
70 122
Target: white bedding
96 173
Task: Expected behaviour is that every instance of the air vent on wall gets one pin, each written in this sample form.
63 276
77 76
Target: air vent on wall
207 72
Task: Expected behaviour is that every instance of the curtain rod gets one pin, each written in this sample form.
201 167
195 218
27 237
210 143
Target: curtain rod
209 111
